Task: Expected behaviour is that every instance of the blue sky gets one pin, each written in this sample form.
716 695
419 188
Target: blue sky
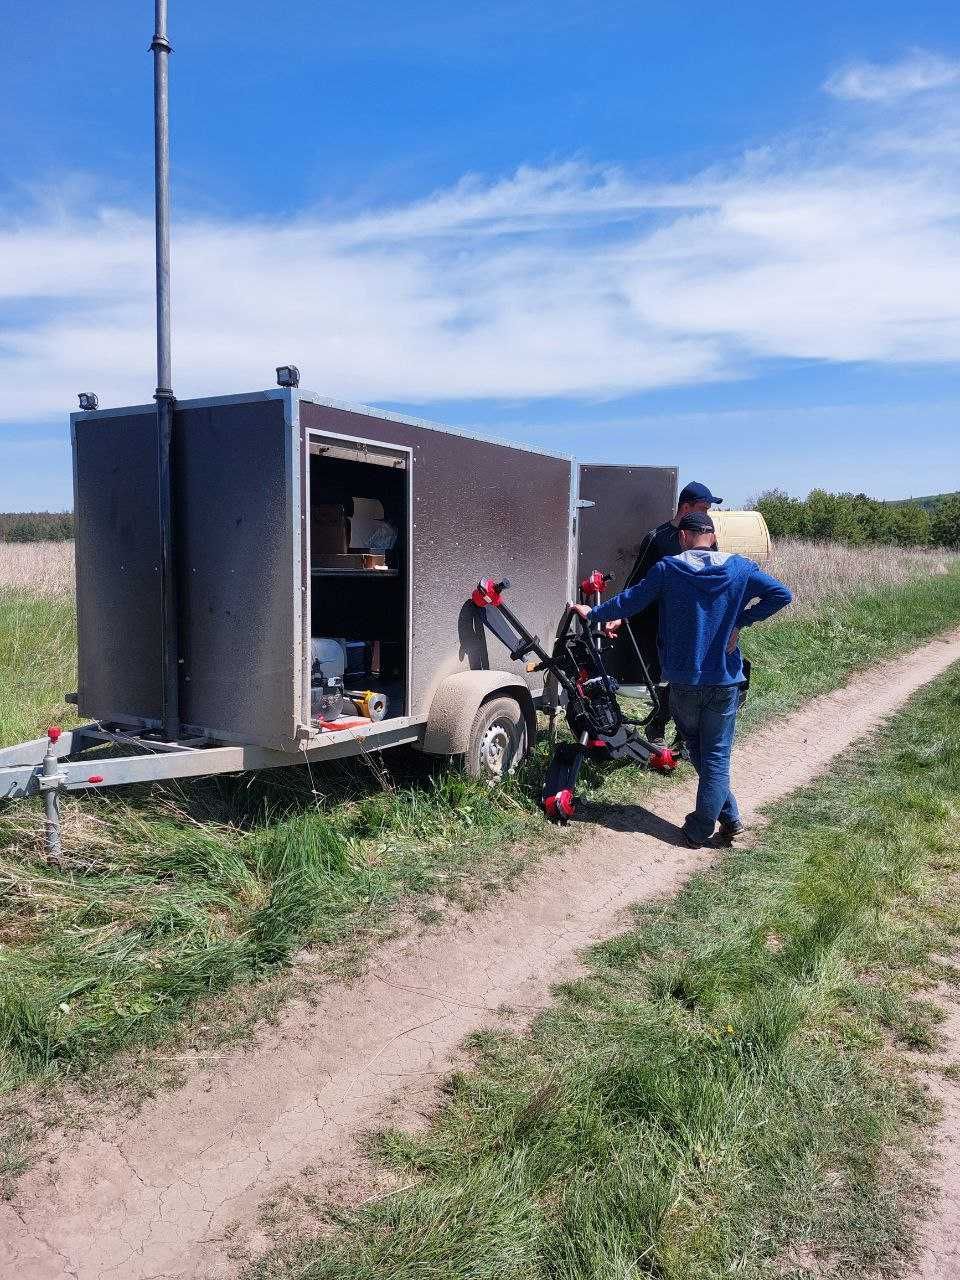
722 236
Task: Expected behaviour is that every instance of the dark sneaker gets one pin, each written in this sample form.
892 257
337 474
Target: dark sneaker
730 830
691 841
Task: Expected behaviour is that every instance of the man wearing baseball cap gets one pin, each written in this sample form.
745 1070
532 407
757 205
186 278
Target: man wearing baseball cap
703 596
659 542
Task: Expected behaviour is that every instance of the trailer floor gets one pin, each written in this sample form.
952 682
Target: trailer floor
175 1191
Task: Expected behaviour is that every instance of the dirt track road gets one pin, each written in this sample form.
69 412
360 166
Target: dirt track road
940 1235
151 1197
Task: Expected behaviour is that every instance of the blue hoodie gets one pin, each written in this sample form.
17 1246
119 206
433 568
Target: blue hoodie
703 595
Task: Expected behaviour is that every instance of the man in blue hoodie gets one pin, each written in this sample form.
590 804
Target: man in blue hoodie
662 541
706 597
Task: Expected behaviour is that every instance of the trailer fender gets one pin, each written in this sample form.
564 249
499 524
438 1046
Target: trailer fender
456 702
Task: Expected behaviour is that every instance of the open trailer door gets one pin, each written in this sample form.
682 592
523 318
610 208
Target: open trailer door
239 506
626 503
238 541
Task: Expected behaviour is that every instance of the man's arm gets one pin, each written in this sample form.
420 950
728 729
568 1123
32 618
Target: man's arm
646 559
770 595
633 600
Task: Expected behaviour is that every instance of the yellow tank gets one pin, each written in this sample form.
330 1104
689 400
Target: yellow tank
742 532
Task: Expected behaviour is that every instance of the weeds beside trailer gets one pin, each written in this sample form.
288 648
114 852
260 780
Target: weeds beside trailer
250 473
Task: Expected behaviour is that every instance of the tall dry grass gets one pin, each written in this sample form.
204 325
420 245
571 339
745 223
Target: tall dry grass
814 571
820 571
42 567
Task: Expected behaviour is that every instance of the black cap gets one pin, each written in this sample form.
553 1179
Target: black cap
696 522
697 492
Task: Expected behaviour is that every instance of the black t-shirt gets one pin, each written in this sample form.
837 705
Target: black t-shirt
662 541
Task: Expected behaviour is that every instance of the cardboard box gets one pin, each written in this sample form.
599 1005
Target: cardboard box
328 529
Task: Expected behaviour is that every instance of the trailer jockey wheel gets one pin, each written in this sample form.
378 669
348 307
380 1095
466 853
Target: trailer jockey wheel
498 740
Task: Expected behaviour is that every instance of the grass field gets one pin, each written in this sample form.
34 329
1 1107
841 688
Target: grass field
181 892
724 1092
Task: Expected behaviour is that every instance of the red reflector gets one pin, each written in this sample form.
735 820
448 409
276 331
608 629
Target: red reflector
54 732
95 778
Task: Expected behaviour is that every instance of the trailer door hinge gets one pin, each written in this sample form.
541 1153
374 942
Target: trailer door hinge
585 502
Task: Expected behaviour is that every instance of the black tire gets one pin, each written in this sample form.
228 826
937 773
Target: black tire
498 740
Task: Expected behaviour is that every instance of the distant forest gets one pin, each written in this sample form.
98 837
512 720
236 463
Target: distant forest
36 526
854 518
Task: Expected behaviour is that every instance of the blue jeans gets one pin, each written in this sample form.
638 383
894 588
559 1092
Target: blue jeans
706 716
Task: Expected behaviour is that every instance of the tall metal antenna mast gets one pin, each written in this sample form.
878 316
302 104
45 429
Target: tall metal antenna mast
160 46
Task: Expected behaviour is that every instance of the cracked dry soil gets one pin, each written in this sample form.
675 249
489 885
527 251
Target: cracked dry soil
157 1197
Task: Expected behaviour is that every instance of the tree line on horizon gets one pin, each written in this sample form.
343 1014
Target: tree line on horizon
36 526
855 519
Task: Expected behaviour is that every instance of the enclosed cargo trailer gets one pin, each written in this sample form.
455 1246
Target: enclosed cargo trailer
266 488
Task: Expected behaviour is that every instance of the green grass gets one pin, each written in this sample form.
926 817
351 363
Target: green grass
172 895
38 664
723 1092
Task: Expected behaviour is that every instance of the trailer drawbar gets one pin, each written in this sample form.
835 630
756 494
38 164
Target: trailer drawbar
577 676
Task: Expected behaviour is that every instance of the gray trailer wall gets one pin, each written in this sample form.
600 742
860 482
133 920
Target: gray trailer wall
479 509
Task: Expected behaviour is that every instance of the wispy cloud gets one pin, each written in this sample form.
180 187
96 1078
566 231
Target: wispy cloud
567 280
919 72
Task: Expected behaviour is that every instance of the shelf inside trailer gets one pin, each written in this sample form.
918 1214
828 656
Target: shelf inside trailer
324 572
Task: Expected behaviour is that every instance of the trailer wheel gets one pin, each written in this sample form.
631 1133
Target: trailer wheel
498 740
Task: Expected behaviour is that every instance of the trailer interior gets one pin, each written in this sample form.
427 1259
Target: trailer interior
359 580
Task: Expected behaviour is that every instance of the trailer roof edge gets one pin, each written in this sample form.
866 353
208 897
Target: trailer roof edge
121 411
408 420
634 466
345 406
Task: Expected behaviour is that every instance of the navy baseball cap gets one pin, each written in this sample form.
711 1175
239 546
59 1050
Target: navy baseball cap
697 492
696 522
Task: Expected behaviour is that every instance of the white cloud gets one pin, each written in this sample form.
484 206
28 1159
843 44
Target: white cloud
559 281
887 82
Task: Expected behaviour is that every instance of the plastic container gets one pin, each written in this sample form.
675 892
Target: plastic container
328 658
357 659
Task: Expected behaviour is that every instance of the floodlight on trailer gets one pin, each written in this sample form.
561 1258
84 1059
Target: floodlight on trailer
89 400
288 375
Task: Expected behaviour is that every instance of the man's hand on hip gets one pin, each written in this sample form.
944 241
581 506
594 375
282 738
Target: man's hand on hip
734 640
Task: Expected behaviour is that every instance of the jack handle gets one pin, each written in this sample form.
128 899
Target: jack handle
595 584
489 592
